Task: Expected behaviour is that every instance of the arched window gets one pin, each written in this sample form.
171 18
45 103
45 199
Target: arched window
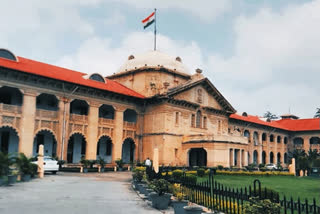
246 133
97 77
271 138
285 140
204 122
255 138
198 119
193 119
264 137
278 139
7 54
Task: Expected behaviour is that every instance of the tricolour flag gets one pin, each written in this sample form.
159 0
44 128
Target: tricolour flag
149 20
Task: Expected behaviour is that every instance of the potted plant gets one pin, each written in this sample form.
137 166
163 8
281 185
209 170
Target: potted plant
85 163
101 162
25 167
120 164
160 197
5 162
194 209
179 201
13 175
60 163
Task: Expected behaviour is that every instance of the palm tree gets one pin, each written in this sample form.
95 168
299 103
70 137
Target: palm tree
317 114
301 159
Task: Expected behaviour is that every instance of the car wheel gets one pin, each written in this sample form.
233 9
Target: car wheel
54 172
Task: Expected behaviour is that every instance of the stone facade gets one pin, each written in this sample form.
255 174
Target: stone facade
182 115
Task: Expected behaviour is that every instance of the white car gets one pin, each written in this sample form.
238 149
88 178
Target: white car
271 166
50 164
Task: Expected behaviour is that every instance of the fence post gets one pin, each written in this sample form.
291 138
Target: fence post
307 207
299 207
291 204
285 204
314 206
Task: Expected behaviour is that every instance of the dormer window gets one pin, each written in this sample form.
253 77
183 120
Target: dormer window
97 77
6 54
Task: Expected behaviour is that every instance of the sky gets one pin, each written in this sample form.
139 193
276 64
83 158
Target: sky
262 55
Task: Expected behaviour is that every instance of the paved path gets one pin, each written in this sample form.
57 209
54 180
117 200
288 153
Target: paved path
67 193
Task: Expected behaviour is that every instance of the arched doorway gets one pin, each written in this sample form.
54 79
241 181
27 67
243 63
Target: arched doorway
278 157
9 140
76 148
197 157
255 157
104 149
128 149
271 157
264 157
48 140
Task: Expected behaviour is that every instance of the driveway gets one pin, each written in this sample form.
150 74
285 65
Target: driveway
68 193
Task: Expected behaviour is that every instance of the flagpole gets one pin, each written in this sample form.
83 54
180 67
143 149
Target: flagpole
155 28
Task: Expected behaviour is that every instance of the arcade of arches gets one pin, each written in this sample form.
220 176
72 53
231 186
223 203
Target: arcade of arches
180 115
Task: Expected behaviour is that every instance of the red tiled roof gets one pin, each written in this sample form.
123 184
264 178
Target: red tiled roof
286 124
63 74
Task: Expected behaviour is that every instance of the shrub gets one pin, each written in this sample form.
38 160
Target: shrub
34 170
101 162
200 172
177 174
160 186
191 173
273 173
191 178
24 164
139 173
220 167
256 206
269 194
85 163
261 165
119 163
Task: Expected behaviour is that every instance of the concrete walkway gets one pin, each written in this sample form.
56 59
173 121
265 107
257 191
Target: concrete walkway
67 193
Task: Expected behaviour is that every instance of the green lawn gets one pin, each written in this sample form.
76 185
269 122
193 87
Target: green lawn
303 187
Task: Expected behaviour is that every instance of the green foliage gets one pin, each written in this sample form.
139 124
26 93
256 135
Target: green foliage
261 165
256 206
191 178
160 186
269 194
24 164
200 172
177 174
138 173
270 116
34 169
220 167
101 162
85 163
5 161
119 163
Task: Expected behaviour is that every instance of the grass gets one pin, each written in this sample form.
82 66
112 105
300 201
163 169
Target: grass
303 187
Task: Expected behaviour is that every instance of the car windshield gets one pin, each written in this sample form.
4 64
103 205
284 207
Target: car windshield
47 159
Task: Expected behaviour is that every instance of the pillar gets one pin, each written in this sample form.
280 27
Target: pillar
231 159
63 116
118 133
306 143
27 123
92 134
140 123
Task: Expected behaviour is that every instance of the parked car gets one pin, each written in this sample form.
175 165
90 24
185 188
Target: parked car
50 164
271 166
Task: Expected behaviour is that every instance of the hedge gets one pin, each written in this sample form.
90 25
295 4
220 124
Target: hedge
272 173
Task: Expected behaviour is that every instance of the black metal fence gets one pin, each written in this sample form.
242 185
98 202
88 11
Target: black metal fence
216 196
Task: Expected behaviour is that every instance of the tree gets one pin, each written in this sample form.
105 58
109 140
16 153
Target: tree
270 116
317 114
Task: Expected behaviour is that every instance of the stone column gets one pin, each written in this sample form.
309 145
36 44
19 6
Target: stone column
245 158
306 143
27 123
118 133
92 134
63 116
240 158
140 123
231 159
260 148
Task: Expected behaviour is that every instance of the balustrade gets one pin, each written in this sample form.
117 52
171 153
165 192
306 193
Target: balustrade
6 108
131 125
46 113
78 118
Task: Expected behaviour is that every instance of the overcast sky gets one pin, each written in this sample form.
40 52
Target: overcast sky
263 55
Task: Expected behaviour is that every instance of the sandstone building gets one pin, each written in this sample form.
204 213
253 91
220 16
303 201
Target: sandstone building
151 102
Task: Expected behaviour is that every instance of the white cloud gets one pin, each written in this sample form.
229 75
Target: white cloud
206 10
98 54
275 63
116 18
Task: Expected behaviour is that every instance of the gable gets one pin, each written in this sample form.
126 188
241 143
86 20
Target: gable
203 93
198 94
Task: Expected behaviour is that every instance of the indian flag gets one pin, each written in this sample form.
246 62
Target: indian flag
149 20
